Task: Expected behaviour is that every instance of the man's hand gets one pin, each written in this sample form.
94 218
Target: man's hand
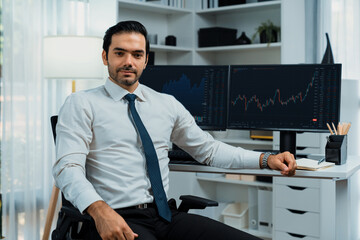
285 162
109 224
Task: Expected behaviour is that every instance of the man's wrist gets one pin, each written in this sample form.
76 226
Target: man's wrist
95 207
264 160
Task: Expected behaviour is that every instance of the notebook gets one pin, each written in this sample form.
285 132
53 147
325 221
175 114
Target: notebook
312 165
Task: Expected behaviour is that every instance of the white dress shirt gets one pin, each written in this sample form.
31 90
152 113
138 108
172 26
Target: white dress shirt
99 152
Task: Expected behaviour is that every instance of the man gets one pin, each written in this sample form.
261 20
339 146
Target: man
102 164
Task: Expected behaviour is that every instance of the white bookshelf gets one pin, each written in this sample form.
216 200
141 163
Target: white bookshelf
184 23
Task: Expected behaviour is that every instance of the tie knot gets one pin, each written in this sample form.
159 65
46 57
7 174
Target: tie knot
130 97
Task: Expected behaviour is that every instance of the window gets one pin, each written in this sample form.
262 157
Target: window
1 63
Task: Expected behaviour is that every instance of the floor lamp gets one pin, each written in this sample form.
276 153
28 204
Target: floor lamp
70 57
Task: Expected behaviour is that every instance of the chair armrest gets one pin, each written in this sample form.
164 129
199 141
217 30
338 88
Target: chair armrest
68 215
75 214
194 202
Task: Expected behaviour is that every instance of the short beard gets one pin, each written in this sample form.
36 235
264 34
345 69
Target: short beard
124 82
127 83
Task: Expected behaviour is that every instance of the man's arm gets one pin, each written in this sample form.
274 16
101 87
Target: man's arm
73 138
187 135
204 148
69 175
284 162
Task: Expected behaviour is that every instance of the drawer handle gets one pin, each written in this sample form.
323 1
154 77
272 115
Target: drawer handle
297 188
296 235
263 224
296 211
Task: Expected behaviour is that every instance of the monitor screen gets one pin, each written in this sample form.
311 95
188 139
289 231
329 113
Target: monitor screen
301 97
201 89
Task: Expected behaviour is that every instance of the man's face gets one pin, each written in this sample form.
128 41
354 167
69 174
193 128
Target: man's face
126 59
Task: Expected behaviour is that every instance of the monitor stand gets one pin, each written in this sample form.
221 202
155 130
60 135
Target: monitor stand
288 141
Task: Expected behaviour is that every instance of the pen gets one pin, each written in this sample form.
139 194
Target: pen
348 125
334 128
340 128
321 160
327 124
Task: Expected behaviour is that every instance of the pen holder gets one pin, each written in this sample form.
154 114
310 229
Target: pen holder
336 149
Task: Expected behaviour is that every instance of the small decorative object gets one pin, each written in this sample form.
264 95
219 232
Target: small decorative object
216 36
328 57
243 39
170 40
151 60
267 31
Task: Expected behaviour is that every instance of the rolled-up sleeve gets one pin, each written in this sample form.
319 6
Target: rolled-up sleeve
73 138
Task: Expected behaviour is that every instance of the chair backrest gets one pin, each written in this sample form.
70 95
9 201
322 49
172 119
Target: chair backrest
54 120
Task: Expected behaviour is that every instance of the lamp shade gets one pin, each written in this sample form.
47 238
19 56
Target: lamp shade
73 57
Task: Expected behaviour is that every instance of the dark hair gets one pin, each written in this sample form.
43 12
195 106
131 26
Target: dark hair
128 27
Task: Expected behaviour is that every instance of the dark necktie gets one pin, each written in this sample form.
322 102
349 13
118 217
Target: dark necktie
152 162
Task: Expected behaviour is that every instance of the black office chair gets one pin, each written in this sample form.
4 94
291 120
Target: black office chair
69 219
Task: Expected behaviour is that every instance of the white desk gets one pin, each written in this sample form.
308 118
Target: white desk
331 187
337 172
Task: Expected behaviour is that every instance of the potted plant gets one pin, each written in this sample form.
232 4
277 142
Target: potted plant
267 31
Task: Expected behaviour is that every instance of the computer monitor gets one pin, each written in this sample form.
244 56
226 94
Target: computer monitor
201 89
288 98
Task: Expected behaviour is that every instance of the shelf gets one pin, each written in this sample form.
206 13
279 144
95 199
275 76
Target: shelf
232 48
165 48
152 7
248 7
257 233
232 181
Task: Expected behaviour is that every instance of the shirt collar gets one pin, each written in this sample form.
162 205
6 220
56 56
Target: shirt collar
117 92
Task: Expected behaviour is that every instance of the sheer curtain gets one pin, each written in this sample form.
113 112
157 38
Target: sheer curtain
341 19
345 20
344 16
24 171
27 151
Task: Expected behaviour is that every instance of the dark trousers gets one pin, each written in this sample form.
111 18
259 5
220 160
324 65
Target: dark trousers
185 226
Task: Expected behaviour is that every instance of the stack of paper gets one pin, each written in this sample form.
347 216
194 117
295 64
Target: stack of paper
310 164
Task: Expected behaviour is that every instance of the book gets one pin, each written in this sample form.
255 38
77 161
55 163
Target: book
312 165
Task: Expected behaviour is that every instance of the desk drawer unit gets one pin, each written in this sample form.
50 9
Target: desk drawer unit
291 236
297 194
297 222
296 208
298 198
